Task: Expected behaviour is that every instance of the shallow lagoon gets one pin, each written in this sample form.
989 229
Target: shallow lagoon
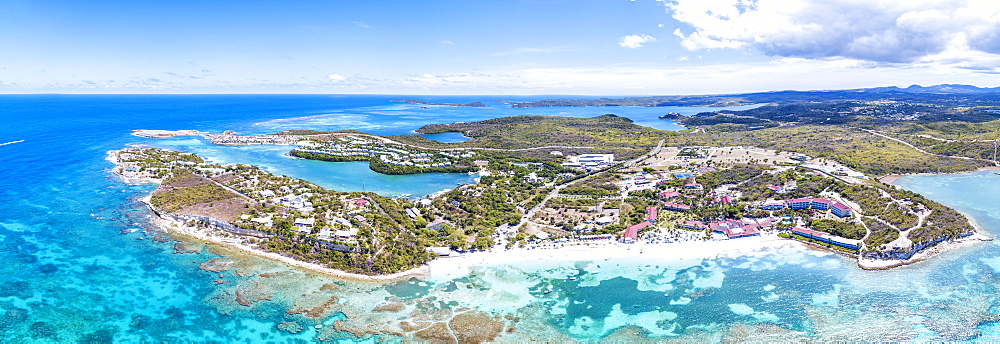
69 275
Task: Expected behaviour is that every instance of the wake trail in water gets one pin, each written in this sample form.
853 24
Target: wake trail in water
11 142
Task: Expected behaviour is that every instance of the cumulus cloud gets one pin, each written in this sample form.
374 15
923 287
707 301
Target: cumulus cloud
885 31
336 77
635 41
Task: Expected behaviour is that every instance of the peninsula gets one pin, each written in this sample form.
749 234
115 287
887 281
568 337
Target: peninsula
558 180
420 102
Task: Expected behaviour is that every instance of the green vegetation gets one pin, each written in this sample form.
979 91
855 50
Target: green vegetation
184 189
612 133
380 166
857 149
839 228
881 234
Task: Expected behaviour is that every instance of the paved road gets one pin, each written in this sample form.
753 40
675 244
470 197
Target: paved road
531 213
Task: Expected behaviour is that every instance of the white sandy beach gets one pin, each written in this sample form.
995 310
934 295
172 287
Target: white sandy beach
451 267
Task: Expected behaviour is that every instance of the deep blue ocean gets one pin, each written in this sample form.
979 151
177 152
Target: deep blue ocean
70 275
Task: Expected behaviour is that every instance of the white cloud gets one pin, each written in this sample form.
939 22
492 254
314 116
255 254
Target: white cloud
885 31
336 77
361 24
635 41
447 42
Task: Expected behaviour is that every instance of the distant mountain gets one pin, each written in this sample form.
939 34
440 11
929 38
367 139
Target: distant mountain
948 93
937 89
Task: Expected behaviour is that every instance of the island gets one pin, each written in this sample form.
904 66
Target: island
572 181
420 102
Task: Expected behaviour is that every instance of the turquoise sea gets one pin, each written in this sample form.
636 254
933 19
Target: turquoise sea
71 275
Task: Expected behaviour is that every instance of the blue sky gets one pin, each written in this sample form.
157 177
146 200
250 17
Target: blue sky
606 47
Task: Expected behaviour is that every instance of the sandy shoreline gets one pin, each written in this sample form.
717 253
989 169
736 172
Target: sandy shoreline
213 236
890 178
452 267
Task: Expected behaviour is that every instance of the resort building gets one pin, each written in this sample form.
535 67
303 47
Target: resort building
800 203
632 232
590 160
651 214
772 205
596 158
734 228
820 203
841 210
827 238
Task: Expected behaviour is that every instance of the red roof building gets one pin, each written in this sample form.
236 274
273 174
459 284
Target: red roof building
669 195
799 203
734 228
820 203
828 238
841 210
632 232
651 214
361 202
676 206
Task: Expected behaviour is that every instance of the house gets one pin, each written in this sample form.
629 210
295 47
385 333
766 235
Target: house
669 195
441 251
695 186
266 193
841 210
676 206
360 202
346 234
532 178
723 200
305 223
266 221
604 220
